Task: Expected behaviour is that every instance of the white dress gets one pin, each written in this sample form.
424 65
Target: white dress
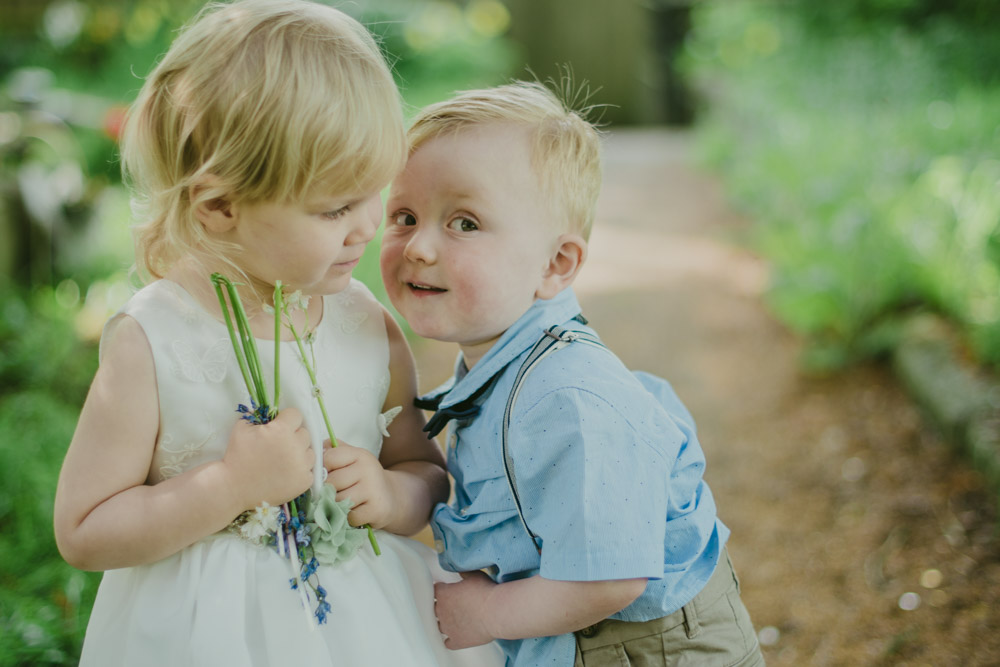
223 601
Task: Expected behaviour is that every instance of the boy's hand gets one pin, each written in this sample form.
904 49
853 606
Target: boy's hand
357 474
270 462
460 610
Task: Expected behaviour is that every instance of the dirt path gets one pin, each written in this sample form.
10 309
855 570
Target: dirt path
859 538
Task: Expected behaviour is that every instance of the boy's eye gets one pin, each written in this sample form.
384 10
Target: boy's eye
404 219
463 225
339 213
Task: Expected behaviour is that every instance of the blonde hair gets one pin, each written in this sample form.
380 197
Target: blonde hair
566 148
257 100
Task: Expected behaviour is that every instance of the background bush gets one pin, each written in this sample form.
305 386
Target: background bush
862 138
44 372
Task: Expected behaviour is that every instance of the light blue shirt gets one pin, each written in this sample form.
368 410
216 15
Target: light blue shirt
608 473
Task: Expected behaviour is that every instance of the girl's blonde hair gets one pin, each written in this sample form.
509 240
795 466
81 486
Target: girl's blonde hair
566 150
257 100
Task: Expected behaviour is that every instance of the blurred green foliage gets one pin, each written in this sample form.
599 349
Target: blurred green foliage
68 69
44 372
862 138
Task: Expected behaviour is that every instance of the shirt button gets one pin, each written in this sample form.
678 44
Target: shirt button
589 631
439 546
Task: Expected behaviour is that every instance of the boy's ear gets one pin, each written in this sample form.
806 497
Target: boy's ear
216 213
565 263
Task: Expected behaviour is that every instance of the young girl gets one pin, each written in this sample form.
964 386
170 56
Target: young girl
258 148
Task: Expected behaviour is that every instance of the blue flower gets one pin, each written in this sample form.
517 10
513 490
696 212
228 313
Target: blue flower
256 414
309 569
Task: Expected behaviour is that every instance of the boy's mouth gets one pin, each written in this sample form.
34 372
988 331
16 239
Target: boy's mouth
418 287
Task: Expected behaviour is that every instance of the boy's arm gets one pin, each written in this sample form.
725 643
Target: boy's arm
106 516
476 611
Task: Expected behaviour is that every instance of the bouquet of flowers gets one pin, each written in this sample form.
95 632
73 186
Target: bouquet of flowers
312 529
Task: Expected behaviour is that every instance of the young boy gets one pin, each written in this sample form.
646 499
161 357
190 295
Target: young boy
582 499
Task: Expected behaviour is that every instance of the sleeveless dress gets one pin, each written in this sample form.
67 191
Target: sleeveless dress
223 601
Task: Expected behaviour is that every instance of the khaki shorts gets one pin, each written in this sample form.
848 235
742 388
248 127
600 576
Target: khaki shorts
714 629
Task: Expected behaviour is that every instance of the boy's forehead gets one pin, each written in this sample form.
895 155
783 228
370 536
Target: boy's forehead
501 133
478 150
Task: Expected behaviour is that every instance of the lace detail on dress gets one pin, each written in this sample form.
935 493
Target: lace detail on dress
188 312
348 296
175 459
210 366
375 386
350 323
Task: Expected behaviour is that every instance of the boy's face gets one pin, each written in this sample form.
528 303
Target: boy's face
468 238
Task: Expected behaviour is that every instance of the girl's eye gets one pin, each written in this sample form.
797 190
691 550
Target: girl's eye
404 219
339 213
463 225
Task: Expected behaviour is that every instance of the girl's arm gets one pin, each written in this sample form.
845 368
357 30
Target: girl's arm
476 611
413 477
107 517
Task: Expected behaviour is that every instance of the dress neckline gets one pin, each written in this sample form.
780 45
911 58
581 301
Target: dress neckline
194 303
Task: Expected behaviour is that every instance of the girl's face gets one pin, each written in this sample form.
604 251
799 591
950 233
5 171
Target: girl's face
310 245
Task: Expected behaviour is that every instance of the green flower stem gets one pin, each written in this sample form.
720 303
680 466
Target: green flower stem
279 304
249 345
219 280
244 343
319 399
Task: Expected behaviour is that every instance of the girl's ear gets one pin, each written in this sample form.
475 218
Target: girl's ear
565 263
216 213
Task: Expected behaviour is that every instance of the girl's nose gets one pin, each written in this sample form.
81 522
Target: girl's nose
367 221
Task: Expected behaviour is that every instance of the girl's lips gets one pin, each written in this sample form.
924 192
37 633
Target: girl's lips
349 264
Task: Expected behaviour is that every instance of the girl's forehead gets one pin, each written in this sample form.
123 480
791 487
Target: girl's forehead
336 187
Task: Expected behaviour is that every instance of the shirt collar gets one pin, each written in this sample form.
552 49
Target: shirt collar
520 337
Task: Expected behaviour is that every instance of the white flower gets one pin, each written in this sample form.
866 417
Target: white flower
259 523
297 300
384 419
268 308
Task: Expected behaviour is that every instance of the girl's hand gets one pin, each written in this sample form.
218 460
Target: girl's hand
270 462
358 475
459 609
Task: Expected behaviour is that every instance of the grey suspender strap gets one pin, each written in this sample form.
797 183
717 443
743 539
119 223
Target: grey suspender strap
555 338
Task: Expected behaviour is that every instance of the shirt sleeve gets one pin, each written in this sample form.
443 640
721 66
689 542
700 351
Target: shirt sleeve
593 483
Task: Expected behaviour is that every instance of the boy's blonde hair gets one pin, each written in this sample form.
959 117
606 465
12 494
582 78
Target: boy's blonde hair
257 100
566 150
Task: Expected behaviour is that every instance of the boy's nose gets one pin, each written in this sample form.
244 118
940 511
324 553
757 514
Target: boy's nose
420 246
